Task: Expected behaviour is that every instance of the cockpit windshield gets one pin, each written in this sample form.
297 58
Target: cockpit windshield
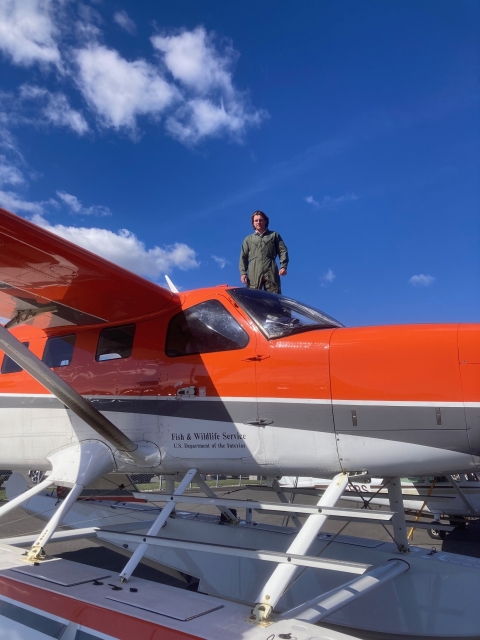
278 316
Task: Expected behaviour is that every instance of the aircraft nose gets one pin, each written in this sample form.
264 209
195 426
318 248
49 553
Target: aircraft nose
469 361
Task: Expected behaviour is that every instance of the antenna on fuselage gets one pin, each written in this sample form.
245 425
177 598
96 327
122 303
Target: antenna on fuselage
171 286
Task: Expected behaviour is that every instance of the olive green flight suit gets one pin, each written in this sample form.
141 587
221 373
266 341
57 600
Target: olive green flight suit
257 260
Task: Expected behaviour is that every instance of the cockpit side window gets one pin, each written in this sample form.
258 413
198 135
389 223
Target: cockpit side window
204 328
279 316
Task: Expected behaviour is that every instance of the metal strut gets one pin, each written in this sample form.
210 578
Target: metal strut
143 453
157 525
271 593
395 496
76 466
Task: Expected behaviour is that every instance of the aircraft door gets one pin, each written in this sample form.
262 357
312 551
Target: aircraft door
209 379
295 409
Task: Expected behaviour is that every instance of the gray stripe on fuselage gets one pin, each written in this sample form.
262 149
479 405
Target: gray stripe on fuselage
294 415
409 424
28 402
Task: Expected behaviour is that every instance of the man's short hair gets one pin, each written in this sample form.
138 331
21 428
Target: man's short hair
264 216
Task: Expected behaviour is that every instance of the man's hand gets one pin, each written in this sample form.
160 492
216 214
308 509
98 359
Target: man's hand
283 272
244 279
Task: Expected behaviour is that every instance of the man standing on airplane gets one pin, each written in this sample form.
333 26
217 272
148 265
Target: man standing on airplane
258 268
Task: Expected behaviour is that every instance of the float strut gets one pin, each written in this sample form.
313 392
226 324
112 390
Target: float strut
284 573
398 521
156 526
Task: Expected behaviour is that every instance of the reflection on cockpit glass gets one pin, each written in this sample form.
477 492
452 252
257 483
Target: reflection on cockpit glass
279 316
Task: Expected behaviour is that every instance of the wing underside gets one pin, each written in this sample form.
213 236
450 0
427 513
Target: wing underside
48 281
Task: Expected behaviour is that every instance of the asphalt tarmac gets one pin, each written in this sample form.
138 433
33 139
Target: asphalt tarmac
18 522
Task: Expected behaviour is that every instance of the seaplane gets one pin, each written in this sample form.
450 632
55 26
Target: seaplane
106 374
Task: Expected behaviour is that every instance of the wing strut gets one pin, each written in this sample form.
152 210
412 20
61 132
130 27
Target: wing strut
144 454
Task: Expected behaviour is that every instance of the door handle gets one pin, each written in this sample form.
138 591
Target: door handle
187 392
260 422
255 358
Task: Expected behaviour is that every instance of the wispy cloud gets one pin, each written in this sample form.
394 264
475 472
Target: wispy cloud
125 249
75 206
14 202
311 200
285 170
220 261
422 280
328 202
54 108
328 278
125 22
9 173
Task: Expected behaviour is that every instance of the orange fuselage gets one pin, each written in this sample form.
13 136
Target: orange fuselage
391 400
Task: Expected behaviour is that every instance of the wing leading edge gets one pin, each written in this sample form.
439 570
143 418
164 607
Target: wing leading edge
49 281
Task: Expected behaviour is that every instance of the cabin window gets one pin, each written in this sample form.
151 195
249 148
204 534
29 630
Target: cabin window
115 342
59 351
9 365
204 328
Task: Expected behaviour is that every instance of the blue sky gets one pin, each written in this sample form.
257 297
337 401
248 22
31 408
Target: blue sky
149 132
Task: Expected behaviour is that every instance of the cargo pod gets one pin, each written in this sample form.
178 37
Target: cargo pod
399 384
469 360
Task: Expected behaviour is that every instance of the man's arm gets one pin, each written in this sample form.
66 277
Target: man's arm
243 264
282 252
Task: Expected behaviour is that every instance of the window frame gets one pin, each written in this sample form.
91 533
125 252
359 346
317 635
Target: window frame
98 357
49 341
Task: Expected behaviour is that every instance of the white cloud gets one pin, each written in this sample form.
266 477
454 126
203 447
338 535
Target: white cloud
125 22
191 82
422 280
212 105
220 261
125 249
27 32
331 203
192 59
328 278
200 118
56 108
13 202
59 113
9 173
119 90
312 201
76 206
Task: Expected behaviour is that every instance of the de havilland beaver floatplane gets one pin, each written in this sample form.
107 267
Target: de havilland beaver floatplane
106 373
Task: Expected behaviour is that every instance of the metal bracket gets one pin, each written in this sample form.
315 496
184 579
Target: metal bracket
24 315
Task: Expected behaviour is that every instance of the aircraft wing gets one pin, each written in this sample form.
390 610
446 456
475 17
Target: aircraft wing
49 281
